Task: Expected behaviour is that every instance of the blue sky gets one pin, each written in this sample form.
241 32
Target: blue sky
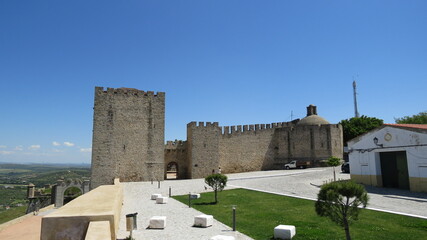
234 62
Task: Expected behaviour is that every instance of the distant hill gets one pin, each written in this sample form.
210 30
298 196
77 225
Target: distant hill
41 174
14 179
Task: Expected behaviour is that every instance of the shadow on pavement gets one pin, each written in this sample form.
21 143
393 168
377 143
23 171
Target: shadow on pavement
397 193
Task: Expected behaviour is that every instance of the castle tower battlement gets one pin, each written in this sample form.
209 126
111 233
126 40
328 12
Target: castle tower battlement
202 124
128 92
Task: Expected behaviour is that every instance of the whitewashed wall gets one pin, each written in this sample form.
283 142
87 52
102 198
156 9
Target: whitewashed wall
364 154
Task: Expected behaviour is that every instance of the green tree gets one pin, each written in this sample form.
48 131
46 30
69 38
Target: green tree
334 162
340 202
420 118
217 182
354 127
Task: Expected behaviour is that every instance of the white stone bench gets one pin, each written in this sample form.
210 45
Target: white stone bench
162 200
284 232
222 237
157 222
154 196
203 220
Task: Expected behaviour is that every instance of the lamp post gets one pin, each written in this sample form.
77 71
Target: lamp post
376 142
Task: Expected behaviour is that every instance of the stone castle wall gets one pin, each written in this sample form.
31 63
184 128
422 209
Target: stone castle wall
176 152
128 141
128 136
245 149
258 147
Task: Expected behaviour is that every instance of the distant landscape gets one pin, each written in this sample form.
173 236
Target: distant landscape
14 179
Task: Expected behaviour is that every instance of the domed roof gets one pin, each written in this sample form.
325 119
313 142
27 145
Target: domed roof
312 117
313 120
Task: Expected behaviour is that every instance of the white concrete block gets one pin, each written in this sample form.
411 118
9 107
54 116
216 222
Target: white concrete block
222 237
154 196
158 222
284 232
203 220
162 200
195 195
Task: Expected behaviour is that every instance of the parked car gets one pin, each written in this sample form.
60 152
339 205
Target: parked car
297 164
345 167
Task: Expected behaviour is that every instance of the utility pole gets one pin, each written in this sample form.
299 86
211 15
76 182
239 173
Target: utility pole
356 113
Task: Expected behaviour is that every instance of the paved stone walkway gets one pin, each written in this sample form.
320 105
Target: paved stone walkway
305 184
297 183
180 217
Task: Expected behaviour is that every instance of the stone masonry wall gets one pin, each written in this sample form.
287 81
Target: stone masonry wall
128 136
258 147
176 151
309 143
203 148
268 147
246 149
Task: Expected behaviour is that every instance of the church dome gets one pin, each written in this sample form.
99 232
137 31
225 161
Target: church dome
312 118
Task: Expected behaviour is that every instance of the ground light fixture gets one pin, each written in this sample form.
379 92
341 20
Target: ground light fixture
234 217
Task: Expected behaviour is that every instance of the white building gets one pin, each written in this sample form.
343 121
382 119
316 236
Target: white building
393 155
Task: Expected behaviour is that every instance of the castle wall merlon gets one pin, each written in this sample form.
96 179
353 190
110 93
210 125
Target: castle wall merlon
192 124
160 94
226 130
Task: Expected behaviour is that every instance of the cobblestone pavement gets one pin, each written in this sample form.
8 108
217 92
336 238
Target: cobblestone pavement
303 183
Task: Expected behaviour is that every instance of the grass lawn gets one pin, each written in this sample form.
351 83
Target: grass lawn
12 213
257 214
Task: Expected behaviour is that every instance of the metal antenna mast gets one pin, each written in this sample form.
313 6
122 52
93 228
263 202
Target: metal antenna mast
356 113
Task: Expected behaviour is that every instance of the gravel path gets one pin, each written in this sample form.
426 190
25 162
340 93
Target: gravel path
297 183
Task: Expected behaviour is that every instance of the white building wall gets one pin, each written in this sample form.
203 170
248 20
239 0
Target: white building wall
364 155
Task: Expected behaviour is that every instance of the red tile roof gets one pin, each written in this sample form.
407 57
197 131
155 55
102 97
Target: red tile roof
418 126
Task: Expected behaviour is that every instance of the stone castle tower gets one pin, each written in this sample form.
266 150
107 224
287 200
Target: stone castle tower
128 136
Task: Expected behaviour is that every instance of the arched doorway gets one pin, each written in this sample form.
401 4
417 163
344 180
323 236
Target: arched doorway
59 190
172 170
71 193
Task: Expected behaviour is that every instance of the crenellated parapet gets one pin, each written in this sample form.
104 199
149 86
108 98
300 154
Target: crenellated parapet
238 129
128 92
175 145
202 124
